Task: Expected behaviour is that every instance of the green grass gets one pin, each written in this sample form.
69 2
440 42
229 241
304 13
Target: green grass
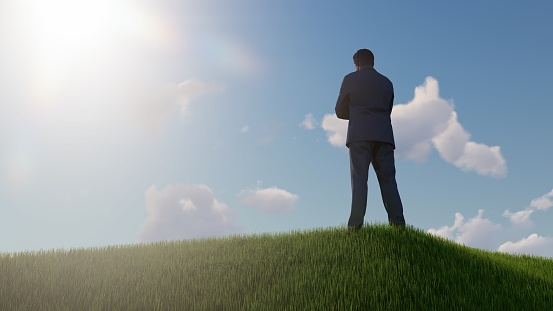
376 268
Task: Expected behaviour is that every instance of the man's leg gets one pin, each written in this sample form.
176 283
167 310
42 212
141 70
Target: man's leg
383 163
359 160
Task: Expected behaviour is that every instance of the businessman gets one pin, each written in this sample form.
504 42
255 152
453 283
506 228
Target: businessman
366 99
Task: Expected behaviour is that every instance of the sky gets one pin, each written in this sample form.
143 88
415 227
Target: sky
124 122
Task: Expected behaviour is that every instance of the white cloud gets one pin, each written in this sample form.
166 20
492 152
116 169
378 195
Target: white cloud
336 130
185 211
533 244
271 200
522 218
448 232
482 233
451 142
430 121
419 121
309 122
544 202
454 146
477 232
245 129
483 159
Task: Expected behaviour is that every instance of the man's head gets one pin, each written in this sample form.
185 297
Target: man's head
363 58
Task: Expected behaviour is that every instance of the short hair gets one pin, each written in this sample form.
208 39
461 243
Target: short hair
363 57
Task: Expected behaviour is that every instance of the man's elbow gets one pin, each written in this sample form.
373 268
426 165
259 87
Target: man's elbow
342 115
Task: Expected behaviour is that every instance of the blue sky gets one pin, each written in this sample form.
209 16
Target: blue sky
127 121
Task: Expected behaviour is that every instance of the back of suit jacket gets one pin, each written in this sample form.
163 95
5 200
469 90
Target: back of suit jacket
366 99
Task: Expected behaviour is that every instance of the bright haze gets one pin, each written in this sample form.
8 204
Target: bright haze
138 121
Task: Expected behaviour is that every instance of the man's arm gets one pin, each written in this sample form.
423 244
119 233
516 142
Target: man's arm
392 99
342 104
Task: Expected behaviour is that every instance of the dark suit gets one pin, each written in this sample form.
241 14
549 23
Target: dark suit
366 99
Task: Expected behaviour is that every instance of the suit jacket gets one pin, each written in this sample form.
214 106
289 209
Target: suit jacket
366 99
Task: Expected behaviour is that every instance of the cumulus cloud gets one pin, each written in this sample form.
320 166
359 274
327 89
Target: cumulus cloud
273 200
482 233
336 130
309 122
544 202
449 232
430 121
185 211
419 121
533 244
454 146
477 232
522 218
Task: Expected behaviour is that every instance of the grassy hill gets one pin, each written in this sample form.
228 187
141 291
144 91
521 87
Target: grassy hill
376 268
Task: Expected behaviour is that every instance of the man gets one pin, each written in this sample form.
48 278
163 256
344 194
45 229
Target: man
366 99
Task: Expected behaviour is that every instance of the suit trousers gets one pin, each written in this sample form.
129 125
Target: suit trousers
381 155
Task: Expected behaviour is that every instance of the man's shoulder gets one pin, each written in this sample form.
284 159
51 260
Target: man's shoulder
367 73
354 75
384 79
381 75
350 75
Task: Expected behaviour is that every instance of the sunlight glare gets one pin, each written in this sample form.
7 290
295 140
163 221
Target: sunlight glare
73 38
80 60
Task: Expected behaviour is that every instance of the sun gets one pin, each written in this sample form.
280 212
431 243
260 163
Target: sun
68 38
62 32
80 62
